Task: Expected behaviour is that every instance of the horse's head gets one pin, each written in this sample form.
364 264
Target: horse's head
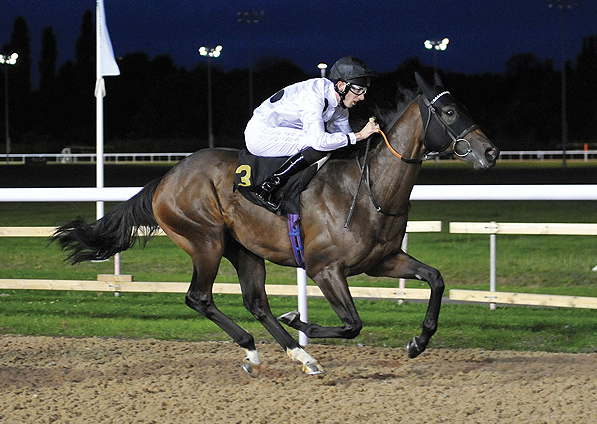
448 125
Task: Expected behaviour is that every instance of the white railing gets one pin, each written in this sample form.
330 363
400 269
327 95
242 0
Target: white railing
36 158
541 155
40 158
420 192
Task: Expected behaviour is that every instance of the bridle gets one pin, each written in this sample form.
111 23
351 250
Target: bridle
456 138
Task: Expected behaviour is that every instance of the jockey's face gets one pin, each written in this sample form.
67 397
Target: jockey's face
351 98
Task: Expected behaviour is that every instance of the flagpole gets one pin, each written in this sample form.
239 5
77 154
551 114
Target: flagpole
99 109
99 148
105 64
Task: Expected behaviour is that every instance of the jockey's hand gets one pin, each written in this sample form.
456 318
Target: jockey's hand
368 130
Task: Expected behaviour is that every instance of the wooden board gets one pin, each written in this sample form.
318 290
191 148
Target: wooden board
26 231
523 228
220 288
411 227
524 299
37 232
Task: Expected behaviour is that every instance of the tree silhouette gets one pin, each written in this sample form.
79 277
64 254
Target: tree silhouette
582 102
76 84
20 43
85 47
47 62
47 115
19 79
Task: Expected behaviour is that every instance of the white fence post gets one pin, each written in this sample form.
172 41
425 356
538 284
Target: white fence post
117 264
492 264
402 281
301 282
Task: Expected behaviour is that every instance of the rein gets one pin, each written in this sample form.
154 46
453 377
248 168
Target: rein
365 174
456 139
423 158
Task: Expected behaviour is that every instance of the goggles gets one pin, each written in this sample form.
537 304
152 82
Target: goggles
357 89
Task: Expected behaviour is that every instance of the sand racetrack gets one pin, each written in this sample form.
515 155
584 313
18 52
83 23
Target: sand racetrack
94 380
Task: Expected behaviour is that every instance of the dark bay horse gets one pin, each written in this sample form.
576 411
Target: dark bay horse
196 207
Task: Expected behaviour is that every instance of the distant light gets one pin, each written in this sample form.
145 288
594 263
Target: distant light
8 60
322 67
211 52
437 44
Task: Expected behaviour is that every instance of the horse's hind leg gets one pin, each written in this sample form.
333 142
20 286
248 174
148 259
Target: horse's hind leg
200 298
251 274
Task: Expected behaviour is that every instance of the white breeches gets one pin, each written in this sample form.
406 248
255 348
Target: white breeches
275 141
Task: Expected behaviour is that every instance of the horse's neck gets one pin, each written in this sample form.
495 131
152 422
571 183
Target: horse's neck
393 178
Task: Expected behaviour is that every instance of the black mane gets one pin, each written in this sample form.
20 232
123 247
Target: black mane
386 117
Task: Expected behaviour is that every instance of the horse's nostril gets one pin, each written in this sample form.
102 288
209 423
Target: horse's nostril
492 154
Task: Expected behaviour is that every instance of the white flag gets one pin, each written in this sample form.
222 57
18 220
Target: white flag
107 62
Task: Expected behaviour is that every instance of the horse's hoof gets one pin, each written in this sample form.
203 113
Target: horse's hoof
413 348
289 318
313 368
251 368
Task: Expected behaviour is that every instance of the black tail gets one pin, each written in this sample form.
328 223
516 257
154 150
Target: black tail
117 231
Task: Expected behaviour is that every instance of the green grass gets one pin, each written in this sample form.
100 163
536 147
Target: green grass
533 264
386 323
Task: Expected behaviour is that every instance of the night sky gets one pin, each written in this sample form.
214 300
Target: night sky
483 34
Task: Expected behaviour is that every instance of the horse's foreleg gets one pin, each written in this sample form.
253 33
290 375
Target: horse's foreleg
405 266
251 274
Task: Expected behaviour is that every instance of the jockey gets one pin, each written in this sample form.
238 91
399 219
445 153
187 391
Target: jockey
307 120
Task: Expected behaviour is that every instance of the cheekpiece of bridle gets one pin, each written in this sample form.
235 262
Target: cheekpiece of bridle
438 134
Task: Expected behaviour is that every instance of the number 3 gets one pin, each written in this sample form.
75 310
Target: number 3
245 180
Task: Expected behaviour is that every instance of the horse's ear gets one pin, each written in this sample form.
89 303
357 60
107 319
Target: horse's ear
425 88
438 80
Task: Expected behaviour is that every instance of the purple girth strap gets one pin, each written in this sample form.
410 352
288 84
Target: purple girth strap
294 232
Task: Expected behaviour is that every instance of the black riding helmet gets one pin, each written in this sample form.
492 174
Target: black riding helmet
352 71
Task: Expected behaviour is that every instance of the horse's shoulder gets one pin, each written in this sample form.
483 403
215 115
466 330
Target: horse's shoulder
337 168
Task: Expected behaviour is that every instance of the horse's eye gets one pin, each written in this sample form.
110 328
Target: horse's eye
450 112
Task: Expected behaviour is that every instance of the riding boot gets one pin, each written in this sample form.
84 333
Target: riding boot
267 190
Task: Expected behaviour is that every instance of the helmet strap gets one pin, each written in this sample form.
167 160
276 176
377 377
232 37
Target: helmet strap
342 94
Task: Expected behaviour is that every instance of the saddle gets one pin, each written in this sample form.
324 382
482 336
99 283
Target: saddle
252 171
